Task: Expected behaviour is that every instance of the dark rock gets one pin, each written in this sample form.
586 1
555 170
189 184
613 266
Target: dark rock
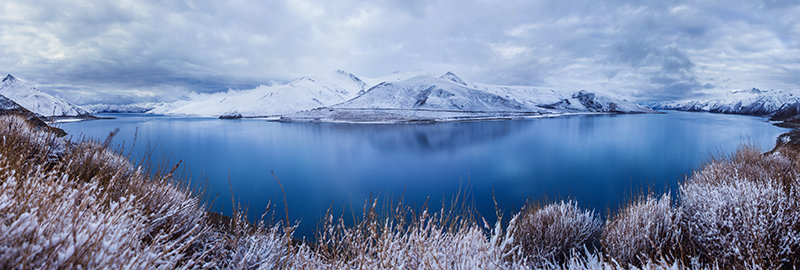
232 115
9 78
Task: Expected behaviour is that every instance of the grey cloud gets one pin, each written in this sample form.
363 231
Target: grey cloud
669 73
144 50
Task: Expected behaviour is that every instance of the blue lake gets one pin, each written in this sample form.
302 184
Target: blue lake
600 161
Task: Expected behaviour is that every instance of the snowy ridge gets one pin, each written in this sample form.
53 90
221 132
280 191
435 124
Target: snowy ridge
454 78
301 94
448 98
425 92
752 102
37 101
122 108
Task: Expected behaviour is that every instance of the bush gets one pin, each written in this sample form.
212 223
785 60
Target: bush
555 231
645 230
743 211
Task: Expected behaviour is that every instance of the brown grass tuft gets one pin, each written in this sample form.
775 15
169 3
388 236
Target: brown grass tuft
554 231
646 230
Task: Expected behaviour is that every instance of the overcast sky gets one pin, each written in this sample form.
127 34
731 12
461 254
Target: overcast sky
125 51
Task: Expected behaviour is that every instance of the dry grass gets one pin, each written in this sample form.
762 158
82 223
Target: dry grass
80 205
744 210
553 232
645 230
66 205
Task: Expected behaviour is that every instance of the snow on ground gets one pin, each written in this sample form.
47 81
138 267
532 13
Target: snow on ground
752 101
37 101
395 77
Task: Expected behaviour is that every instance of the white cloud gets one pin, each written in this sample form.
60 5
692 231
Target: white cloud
509 51
122 49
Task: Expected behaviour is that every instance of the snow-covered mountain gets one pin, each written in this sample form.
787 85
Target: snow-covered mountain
37 101
122 108
431 93
301 94
9 107
449 98
751 101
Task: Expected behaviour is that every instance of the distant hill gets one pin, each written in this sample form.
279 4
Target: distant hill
751 102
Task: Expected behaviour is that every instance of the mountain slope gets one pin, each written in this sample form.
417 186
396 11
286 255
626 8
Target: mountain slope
425 92
37 101
9 107
752 102
301 94
449 98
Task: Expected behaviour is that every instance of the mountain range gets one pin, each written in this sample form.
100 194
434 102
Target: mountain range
342 96
449 98
750 102
409 96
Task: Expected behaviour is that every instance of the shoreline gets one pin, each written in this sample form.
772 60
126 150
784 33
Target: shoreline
650 231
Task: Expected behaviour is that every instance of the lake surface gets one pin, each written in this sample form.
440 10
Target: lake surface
600 161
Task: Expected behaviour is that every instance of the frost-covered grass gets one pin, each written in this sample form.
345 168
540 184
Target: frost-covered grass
553 232
744 209
80 205
83 206
644 230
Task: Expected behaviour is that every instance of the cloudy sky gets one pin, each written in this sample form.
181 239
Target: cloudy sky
126 51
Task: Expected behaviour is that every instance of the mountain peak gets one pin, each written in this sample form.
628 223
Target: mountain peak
751 91
352 77
453 77
9 78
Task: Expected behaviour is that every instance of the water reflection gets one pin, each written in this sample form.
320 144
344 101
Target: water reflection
447 137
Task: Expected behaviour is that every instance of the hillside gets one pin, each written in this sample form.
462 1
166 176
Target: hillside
37 101
266 100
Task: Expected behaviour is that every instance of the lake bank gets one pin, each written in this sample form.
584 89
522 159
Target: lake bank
398 235
601 161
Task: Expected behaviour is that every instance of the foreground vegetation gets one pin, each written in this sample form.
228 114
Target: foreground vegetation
81 205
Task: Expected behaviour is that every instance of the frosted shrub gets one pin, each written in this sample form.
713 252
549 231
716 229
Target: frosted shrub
644 230
741 222
80 205
554 231
425 242
252 247
744 211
